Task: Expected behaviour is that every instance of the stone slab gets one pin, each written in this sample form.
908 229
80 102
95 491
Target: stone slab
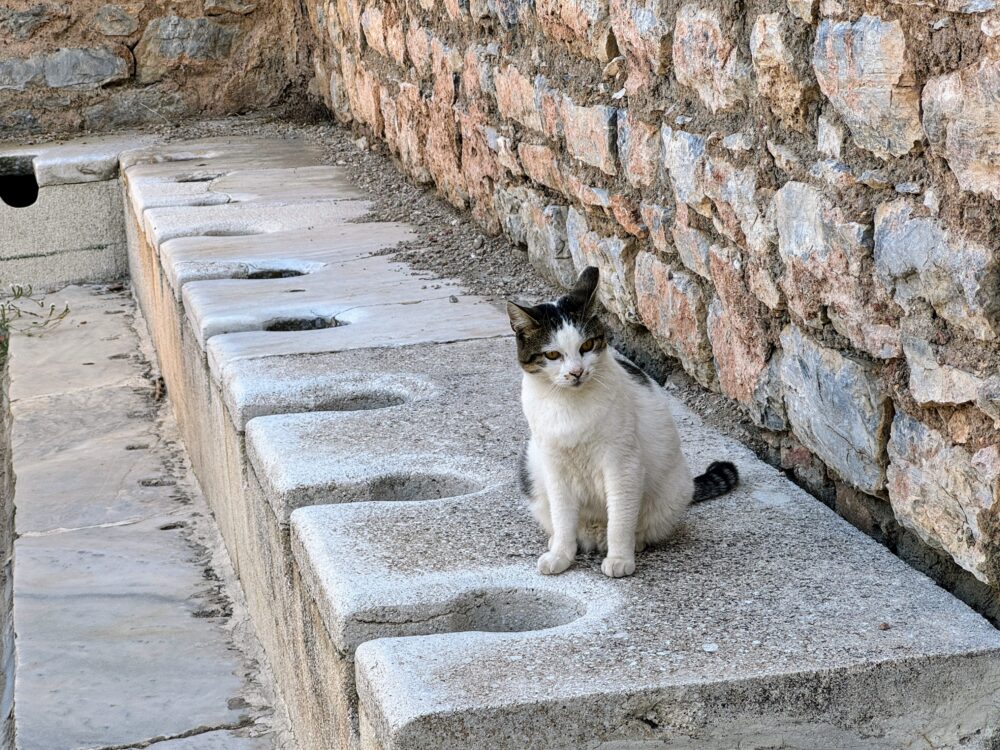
460 441
125 632
767 617
433 321
48 272
72 233
85 459
89 159
460 374
219 306
227 152
768 622
55 363
310 183
245 219
112 646
217 741
215 182
301 251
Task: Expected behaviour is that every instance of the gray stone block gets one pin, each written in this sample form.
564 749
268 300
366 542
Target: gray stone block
84 68
766 617
72 233
837 409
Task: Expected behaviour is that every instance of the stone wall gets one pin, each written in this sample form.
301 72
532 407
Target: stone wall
91 65
798 199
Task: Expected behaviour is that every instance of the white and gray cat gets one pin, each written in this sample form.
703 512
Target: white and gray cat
603 468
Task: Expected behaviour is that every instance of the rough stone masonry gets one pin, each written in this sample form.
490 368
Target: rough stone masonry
92 65
798 199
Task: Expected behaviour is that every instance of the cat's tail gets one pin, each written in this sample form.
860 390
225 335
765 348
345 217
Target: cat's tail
719 478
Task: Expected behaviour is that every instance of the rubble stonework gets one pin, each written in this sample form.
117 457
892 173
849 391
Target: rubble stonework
96 65
737 170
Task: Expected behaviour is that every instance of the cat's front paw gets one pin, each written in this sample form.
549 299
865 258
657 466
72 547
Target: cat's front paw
618 567
553 563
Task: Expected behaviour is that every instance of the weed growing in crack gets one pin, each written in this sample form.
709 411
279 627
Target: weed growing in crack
23 312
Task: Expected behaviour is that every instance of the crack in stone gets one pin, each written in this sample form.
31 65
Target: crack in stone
241 724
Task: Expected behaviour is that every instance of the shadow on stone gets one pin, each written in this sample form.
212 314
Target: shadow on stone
300 324
512 611
418 486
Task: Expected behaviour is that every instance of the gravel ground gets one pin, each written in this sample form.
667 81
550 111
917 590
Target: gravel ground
451 245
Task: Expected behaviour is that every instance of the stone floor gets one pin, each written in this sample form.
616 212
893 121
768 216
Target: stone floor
129 630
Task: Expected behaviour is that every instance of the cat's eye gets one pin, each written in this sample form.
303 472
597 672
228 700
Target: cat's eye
587 345
552 355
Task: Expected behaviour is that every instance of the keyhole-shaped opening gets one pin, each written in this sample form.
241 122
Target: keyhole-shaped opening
18 186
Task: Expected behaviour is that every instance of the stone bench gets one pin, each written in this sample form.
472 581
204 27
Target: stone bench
362 474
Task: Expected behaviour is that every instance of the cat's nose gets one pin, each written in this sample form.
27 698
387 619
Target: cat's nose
576 374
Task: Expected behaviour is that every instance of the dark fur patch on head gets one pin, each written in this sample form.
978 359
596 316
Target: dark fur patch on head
536 325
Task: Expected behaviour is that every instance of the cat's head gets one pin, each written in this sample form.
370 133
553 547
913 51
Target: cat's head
562 341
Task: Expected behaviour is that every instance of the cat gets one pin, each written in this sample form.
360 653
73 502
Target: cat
603 469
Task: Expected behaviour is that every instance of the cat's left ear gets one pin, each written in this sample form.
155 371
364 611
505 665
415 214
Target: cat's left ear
521 318
584 292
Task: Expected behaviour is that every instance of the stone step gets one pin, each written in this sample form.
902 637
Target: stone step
363 478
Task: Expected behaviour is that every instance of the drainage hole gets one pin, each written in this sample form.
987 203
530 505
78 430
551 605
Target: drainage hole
274 273
301 324
172 526
18 190
417 486
513 611
360 401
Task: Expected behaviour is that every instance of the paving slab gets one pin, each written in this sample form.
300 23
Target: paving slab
86 459
124 633
56 363
115 640
768 619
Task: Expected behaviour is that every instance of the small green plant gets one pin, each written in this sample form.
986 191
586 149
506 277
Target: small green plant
24 313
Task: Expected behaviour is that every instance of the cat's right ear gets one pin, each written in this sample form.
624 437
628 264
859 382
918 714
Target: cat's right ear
521 318
584 292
